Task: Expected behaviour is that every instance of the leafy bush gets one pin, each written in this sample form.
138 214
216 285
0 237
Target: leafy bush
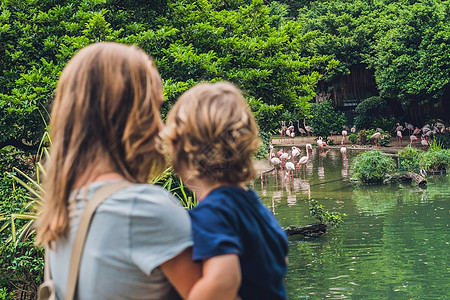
263 150
408 158
333 219
409 152
373 166
364 137
10 157
383 140
353 138
443 139
21 262
371 113
435 159
5 295
325 119
22 268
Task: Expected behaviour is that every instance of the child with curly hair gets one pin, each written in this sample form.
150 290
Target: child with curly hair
212 136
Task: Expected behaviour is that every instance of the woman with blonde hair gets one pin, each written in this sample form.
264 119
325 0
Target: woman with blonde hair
104 129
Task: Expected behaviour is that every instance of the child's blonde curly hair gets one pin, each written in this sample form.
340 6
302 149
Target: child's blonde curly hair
213 134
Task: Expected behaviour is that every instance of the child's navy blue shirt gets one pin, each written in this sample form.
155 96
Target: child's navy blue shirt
233 220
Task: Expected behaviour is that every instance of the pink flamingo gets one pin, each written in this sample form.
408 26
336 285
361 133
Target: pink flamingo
275 161
399 127
429 133
282 130
375 136
291 134
344 153
308 129
410 127
440 126
280 152
399 135
301 130
284 156
321 143
295 152
271 152
291 127
281 135
290 167
426 128
424 143
303 161
344 134
412 138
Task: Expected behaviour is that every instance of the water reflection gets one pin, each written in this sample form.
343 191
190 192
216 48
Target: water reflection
297 183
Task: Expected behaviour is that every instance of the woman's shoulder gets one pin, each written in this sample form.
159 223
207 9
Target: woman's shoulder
146 194
144 200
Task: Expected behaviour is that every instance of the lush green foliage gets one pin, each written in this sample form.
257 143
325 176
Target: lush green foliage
171 182
250 44
22 268
371 114
36 40
435 159
409 152
325 120
409 158
5 295
21 262
373 166
353 138
333 219
383 140
404 44
263 150
412 60
364 137
443 139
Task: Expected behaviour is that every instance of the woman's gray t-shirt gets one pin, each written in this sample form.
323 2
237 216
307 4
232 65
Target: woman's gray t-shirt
133 232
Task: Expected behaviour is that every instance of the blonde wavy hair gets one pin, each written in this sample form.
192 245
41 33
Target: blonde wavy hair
106 112
213 134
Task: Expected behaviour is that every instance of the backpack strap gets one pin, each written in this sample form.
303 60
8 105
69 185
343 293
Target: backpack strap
99 196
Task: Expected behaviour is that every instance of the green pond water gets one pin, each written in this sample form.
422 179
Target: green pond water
393 244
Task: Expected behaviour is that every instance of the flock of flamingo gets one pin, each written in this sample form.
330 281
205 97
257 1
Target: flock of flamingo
427 132
287 160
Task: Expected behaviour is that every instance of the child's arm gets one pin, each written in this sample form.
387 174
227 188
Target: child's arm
221 279
182 272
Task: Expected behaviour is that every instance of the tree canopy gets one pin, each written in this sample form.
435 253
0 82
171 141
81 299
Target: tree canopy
276 52
403 44
250 44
